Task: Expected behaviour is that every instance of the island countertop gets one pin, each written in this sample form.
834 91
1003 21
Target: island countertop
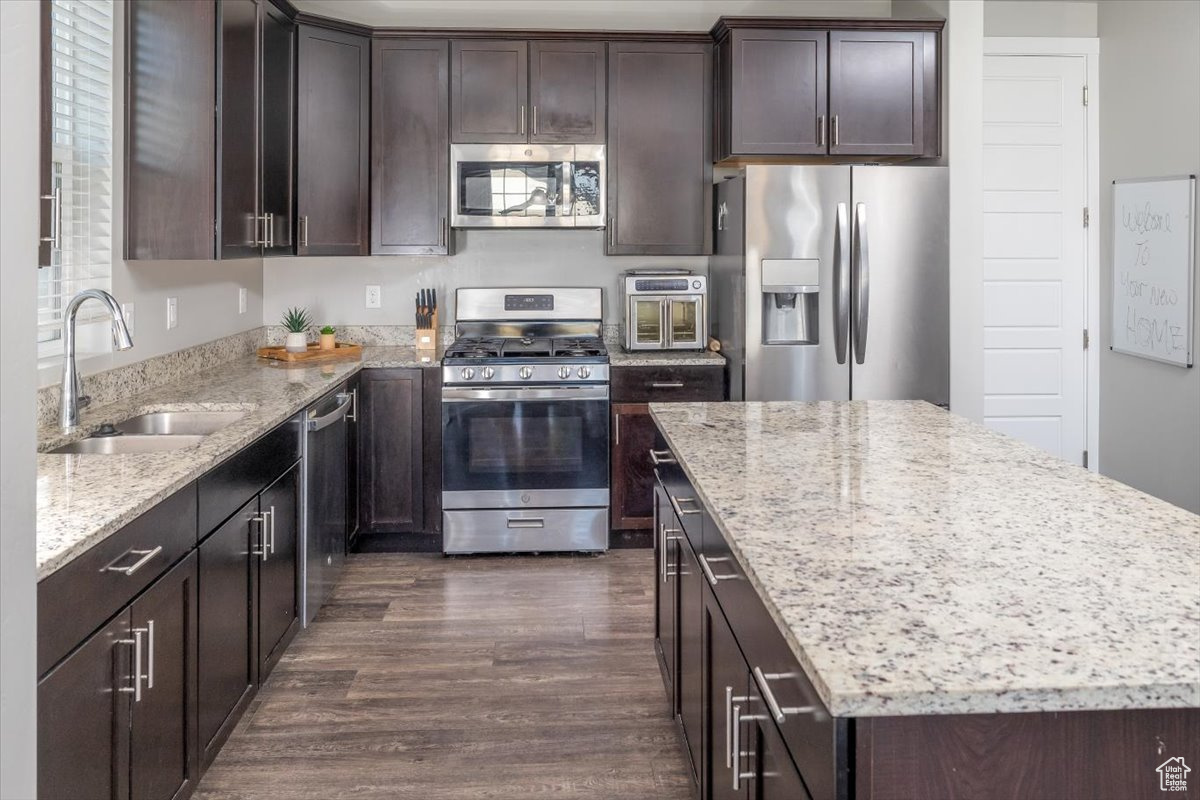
918 563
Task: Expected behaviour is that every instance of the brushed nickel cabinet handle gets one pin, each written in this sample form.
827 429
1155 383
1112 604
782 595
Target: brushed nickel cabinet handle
304 231
146 556
150 654
821 130
835 131
661 457
55 237
675 502
735 748
612 231
522 129
261 519
668 385
136 641
272 513
442 242
535 120
764 685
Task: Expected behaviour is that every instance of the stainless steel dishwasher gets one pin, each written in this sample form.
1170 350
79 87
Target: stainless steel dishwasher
326 443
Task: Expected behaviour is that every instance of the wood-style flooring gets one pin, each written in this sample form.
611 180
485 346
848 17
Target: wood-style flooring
484 677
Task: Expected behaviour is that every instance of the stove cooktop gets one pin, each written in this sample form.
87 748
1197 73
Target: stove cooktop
501 349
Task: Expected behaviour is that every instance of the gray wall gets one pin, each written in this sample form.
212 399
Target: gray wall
1039 18
1149 126
19 24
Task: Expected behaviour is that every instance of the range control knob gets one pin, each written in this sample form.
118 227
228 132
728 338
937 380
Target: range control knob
564 372
526 373
467 373
487 373
585 372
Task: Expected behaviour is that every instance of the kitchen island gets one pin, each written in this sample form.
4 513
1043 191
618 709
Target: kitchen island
950 596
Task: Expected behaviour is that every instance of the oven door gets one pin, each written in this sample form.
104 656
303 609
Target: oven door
525 447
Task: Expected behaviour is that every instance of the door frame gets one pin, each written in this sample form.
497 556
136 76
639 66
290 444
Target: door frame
1088 49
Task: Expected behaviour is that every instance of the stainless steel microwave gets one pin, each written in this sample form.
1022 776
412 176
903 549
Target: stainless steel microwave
527 185
665 309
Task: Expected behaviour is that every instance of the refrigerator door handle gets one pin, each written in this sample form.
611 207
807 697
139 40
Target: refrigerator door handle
841 282
861 269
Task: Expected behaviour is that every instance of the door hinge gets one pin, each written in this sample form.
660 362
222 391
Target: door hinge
1085 94
1087 216
1085 459
1086 339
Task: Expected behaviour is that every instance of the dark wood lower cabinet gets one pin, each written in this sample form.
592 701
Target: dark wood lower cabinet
766 768
390 451
689 674
164 757
227 656
632 473
666 593
278 570
726 680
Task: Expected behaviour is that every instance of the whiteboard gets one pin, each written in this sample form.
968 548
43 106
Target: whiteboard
1154 267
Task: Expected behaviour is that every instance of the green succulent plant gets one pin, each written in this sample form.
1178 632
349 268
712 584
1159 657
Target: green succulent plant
327 330
296 320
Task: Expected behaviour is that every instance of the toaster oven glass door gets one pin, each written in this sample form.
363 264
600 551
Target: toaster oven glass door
646 322
685 316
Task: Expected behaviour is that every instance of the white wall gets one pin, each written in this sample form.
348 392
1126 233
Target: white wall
19 26
334 289
1040 18
206 291
683 15
1149 125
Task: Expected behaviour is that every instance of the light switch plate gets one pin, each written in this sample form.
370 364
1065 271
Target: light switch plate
172 312
127 312
241 299
374 296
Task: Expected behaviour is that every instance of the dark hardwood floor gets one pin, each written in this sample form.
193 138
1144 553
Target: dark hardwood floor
488 677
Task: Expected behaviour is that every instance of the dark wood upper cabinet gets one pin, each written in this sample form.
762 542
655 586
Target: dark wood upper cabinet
278 129
241 229
772 92
659 148
333 121
390 451
566 91
410 125
489 82
170 129
882 85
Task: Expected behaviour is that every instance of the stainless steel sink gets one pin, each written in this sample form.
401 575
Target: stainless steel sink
130 443
176 423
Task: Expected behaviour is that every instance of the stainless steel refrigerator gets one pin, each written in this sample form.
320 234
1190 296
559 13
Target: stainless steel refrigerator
832 283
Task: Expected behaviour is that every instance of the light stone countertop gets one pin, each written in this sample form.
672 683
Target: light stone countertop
82 499
918 563
618 356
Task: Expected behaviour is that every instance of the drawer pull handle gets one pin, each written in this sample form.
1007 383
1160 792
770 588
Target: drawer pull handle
532 522
712 577
676 501
763 680
661 457
136 641
667 385
146 556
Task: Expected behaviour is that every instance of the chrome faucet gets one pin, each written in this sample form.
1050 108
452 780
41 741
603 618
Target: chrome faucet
72 384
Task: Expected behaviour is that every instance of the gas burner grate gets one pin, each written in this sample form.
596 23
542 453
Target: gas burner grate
579 347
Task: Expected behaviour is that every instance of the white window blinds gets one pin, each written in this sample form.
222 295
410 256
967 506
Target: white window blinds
77 210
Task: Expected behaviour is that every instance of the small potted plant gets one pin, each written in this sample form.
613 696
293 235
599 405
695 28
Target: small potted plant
296 322
327 338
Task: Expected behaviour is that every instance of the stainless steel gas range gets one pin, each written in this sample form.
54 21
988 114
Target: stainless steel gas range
525 418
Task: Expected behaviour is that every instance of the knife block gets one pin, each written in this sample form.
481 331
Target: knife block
426 338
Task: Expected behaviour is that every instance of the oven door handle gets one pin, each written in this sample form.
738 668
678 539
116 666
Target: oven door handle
455 394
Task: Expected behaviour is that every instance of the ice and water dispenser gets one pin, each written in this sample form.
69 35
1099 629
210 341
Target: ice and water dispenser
791 293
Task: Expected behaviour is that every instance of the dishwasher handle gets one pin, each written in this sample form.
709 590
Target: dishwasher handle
339 412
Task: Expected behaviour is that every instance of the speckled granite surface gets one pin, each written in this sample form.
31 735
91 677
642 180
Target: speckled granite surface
918 563
618 356
81 499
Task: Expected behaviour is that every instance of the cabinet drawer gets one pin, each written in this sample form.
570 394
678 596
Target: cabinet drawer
816 741
690 384
681 495
83 594
226 488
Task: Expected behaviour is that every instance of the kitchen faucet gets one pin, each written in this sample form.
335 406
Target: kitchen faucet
72 384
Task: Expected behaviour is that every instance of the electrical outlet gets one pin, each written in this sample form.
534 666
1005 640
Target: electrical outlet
127 313
172 312
374 296
241 299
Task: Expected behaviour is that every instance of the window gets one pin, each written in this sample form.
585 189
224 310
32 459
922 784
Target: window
77 156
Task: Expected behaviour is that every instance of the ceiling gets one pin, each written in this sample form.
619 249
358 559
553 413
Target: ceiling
676 15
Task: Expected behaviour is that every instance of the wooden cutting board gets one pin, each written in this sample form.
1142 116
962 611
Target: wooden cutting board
314 355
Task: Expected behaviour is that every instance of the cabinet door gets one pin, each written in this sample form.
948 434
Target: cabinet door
666 592
777 97
489 83
877 92
767 766
726 680
390 451
278 571
632 473
164 756
659 148
354 386
566 92
241 225
83 719
227 661
331 143
691 653
410 151
277 129
170 135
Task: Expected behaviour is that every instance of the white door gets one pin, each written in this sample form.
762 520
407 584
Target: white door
1035 250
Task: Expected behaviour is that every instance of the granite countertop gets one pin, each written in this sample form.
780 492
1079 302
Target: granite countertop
81 499
618 356
918 563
